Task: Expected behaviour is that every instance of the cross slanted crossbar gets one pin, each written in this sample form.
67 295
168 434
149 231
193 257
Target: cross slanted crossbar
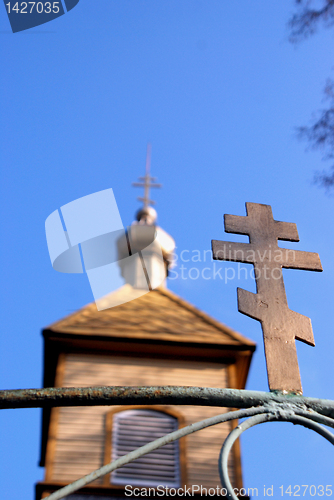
280 325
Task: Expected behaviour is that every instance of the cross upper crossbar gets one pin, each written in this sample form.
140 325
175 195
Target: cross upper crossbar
280 325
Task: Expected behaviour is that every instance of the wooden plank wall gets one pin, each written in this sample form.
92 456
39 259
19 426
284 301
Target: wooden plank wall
78 442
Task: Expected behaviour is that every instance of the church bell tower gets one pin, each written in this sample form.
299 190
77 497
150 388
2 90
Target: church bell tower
141 335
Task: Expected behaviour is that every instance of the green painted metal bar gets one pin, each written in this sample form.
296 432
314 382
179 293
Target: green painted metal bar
198 396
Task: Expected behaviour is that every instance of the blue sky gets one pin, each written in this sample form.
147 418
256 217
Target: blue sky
218 90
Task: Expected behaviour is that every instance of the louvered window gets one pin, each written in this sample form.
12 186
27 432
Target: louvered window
134 428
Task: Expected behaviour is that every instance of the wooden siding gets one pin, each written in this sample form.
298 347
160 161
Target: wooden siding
80 432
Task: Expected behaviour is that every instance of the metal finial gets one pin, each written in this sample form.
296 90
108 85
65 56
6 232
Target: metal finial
147 182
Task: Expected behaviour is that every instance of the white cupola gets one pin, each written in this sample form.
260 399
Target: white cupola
145 252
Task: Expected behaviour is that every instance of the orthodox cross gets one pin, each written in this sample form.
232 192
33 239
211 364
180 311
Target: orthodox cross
280 325
146 182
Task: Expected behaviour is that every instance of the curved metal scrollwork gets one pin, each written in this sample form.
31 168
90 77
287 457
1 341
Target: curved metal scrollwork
158 443
258 407
276 414
286 412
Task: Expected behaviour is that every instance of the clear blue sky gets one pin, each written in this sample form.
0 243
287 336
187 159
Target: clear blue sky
217 89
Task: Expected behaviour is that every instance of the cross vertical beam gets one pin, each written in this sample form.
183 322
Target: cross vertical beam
280 325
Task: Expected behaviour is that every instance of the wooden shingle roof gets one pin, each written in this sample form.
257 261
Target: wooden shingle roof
158 315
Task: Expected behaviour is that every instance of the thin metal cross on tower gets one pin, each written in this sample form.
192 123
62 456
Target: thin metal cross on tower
280 325
146 182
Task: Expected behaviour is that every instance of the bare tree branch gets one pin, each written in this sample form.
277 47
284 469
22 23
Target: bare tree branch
325 179
306 21
320 135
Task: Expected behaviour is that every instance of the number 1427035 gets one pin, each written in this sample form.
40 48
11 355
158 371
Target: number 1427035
305 489
30 7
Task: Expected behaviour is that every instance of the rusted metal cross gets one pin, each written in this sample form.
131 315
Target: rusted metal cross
280 325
